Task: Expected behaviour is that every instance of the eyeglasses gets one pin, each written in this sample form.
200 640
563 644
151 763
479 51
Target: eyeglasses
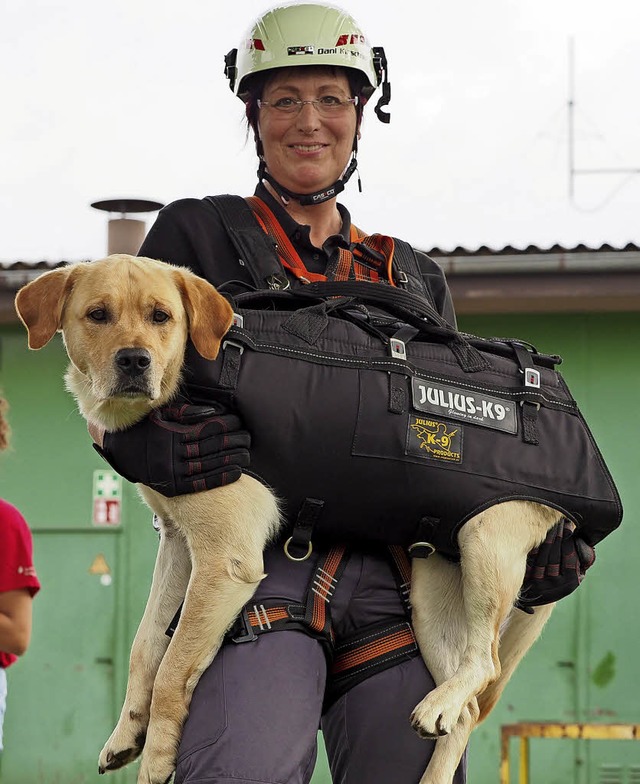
327 106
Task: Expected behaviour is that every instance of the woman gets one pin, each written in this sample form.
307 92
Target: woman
305 73
18 582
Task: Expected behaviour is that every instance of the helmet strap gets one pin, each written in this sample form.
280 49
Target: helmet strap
309 198
380 64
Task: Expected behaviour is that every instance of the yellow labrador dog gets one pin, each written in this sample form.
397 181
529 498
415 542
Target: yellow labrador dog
212 542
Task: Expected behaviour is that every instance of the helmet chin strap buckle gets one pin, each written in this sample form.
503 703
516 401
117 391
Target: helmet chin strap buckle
305 199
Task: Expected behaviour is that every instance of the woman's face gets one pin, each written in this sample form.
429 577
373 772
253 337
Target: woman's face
306 152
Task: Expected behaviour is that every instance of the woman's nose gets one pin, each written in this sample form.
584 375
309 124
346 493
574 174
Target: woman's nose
308 118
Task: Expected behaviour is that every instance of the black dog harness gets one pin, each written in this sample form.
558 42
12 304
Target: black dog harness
367 409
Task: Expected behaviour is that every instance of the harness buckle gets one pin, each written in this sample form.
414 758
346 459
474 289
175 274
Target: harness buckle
244 629
531 377
397 348
235 345
402 278
278 282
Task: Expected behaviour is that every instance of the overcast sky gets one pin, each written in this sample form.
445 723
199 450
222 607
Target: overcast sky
126 98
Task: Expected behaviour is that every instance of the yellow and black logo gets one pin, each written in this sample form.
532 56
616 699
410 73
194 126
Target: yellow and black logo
434 439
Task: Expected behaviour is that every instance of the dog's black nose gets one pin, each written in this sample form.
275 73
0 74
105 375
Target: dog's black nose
133 361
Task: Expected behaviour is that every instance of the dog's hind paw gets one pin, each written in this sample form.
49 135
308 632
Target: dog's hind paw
158 772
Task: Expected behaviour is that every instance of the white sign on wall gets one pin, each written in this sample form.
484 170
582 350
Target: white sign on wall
107 498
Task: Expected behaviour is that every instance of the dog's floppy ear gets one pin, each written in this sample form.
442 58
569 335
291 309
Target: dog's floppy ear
40 304
209 313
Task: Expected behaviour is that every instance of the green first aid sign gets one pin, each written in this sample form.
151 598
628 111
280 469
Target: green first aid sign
107 498
107 484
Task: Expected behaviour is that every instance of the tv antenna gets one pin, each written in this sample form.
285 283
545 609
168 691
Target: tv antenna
571 104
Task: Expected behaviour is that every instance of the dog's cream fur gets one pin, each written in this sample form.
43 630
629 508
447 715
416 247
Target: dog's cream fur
211 543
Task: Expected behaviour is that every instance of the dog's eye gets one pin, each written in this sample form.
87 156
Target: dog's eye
159 316
97 314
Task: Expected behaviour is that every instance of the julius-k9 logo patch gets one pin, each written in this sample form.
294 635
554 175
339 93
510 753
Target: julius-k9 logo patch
475 407
434 439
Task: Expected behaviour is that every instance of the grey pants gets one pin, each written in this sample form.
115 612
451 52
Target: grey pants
256 711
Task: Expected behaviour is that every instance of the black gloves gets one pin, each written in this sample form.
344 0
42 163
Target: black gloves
180 449
555 568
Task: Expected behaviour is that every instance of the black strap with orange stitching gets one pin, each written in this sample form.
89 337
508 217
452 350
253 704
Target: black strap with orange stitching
372 650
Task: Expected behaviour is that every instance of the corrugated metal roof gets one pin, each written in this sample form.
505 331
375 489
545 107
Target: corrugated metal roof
511 250
482 280
435 252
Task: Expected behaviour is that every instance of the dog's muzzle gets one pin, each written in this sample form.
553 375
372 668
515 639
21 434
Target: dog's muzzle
132 368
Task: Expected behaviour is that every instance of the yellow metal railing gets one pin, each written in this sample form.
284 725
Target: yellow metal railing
526 730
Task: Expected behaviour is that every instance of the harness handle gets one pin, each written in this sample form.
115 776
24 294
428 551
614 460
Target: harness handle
406 307
413 310
399 302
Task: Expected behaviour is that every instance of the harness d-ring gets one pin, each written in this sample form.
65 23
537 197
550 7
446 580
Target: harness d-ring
292 557
428 548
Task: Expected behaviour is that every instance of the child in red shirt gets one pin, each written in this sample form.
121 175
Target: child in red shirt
18 582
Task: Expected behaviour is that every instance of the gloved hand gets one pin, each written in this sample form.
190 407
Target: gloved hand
180 449
557 567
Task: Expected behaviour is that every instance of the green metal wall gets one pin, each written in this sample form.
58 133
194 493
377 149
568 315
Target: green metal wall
583 667
65 693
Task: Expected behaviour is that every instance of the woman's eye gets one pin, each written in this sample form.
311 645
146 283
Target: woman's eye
97 315
159 316
285 103
330 100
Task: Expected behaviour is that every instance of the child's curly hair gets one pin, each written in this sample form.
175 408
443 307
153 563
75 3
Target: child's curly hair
5 430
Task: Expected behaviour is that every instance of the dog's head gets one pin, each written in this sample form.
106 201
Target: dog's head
125 322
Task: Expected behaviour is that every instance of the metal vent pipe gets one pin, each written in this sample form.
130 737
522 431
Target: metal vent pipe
125 235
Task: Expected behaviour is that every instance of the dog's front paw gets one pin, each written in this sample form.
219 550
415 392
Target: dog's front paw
428 730
432 720
121 748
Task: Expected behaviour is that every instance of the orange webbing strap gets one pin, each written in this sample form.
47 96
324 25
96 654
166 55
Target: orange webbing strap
386 246
313 617
261 617
378 647
373 646
287 253
402 564
266 617
372 650
374 267
352 264
320 591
